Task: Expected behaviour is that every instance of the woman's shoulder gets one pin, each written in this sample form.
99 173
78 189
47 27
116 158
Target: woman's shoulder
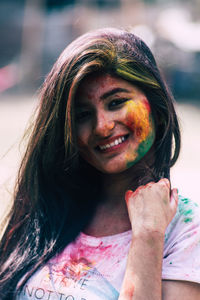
188 210
184 229
181 258
187 217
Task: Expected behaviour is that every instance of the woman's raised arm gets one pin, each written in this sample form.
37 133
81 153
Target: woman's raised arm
151 208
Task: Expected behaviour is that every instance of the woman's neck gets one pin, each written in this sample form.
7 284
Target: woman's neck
114 186
111 216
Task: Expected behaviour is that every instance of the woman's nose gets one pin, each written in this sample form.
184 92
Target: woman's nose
104 125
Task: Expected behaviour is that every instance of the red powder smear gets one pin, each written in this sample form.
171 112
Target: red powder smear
101 250
138 131
128 194
128 290
81 253
147 105
66 273
137 191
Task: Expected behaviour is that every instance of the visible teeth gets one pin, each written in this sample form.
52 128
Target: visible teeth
116 142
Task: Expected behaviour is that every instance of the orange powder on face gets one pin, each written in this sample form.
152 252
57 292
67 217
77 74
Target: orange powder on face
130 156
138 119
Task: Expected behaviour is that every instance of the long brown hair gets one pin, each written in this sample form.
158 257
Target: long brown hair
53 199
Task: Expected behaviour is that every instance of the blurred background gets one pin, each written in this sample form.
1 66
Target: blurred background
34 32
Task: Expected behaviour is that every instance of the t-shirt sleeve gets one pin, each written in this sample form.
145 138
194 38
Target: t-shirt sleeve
181 258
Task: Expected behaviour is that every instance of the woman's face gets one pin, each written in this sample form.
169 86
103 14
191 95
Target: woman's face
114 123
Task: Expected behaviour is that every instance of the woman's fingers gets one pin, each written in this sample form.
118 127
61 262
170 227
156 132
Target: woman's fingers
130 193
165 181
174 199
152 206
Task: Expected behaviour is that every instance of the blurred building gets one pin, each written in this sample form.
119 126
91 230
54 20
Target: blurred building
34 32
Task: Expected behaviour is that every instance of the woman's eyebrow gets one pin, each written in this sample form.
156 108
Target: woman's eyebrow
113 91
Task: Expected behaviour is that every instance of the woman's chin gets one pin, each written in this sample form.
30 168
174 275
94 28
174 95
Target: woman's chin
116 169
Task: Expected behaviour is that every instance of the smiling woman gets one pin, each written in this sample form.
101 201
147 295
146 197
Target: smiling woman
115 128
94 215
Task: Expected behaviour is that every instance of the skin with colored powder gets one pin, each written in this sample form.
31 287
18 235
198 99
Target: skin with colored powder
114 123
140 121
98 165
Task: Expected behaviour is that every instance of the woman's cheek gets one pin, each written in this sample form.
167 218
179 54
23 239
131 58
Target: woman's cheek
82 139
139 120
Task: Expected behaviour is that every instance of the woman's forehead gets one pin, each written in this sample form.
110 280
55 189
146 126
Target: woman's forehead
104 85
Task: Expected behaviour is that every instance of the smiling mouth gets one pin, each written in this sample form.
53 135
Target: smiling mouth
113 145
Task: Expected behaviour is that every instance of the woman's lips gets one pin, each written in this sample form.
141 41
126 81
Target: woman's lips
112 144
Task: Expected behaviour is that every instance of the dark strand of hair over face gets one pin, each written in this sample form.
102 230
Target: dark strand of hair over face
54 197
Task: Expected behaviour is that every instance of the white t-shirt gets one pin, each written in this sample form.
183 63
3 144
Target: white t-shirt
93 268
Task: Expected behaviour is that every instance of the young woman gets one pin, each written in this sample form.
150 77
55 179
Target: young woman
94 215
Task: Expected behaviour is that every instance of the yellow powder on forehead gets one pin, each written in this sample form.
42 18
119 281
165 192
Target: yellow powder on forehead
138 118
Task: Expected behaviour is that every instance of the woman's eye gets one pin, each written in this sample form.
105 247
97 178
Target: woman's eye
116 103
83 116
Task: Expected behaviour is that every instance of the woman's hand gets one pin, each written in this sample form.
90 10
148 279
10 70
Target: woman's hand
151 207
